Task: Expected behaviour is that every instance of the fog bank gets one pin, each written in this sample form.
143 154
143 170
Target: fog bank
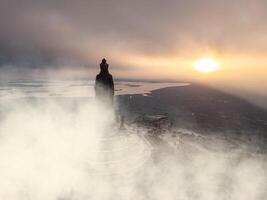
71 149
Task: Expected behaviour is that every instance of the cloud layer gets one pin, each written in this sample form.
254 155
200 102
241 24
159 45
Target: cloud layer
61 149
77 33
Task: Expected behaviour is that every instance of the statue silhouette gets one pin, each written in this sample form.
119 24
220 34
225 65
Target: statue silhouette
104 85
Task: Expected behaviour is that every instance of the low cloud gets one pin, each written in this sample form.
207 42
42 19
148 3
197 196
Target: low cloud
56 149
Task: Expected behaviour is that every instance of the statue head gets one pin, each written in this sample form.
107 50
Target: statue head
104 65
104 61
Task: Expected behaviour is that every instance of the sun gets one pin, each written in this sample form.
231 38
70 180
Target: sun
206 65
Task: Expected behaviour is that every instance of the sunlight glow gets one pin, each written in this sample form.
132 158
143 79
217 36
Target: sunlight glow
206 65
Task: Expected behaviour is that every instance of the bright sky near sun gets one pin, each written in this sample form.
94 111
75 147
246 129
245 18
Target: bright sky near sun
206 65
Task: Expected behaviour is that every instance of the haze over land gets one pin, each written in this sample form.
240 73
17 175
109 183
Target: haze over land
57 143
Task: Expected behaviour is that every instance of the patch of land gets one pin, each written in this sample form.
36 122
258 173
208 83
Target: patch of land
198 108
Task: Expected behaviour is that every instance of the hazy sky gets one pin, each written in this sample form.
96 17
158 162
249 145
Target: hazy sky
141 39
